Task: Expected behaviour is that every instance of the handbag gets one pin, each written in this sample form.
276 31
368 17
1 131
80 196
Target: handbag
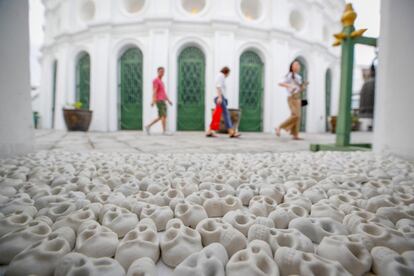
215 123
304 102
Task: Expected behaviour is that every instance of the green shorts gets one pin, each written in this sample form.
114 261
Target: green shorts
162 109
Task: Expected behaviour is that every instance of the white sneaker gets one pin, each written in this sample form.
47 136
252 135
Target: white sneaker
167 133
147 130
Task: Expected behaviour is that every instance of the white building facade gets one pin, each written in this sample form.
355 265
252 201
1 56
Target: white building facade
105 53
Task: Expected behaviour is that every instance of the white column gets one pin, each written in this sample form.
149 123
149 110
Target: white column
316 94
394 112
225 55
46 90
16 126
100 83
65 84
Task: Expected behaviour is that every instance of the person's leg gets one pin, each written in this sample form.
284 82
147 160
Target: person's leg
164 123
296 108
154 122
226 115
288 124
227 120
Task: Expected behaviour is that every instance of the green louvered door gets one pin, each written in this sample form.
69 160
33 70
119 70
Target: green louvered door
191 86
251 92
304 74
328 92
54 76
130 87
83 77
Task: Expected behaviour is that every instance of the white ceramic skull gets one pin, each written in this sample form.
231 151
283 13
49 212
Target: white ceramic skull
138 243
217 230
190 214
179 242
295 262
211 260
276 238
218 207
96 241
143 267
15 242
349 251
255 260
79 264
318 228
286 212
389 262
40 258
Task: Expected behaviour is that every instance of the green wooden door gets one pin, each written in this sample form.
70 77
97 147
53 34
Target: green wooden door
54 79
130 89
83 76
304 74
191 86
328 92
251 92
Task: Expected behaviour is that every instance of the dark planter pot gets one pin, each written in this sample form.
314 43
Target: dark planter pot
235 116
355 125
333 124
77 119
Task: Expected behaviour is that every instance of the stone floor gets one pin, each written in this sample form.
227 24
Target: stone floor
181 142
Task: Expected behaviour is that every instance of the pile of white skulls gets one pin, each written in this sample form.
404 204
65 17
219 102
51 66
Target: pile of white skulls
302 213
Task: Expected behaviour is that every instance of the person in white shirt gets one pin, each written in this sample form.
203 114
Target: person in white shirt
222 101
294 86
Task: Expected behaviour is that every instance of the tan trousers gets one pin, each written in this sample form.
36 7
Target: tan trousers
293 122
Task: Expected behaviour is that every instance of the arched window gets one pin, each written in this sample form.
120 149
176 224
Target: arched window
130 86
191 89
83 76
251 82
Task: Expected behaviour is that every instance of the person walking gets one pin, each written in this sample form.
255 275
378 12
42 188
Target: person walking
294 86
160 99
221 107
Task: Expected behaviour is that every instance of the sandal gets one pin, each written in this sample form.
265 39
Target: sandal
211 135
235 135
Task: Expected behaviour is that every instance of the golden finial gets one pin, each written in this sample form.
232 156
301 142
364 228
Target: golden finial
349 16
358 33
337 42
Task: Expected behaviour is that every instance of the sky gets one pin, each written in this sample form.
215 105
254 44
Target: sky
368 17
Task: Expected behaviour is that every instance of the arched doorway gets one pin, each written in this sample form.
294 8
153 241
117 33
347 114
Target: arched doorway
54 79
304 74
130 89
83 77
328 93
251 81
191 89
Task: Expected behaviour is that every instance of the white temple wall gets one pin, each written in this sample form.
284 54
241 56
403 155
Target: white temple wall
162 29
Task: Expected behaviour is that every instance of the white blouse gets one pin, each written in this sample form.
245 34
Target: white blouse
296 81
221 83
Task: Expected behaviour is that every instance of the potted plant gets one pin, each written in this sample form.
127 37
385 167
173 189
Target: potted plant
355 123
76 118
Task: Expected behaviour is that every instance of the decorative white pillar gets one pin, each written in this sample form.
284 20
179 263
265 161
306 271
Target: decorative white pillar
99 86
16 125
394 112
